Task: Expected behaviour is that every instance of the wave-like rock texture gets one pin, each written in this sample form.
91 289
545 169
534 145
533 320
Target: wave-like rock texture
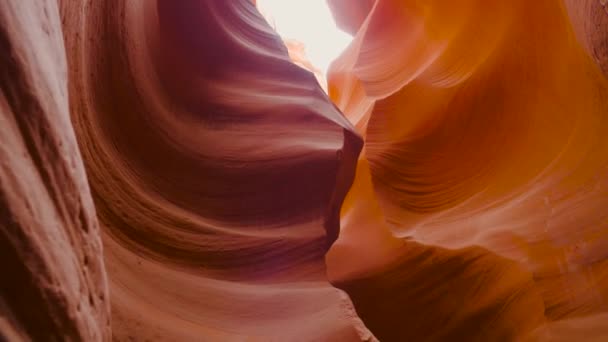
53 285
478 211
218 169
217 173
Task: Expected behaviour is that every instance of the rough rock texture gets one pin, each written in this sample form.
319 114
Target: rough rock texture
478 209
53 283
590 23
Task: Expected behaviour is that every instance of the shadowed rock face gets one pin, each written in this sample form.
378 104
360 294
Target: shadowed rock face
217 173
218 168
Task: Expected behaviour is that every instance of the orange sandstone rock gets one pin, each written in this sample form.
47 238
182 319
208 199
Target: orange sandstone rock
220 173
484 126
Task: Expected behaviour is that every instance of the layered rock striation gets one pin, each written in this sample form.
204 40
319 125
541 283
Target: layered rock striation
168 173
481 188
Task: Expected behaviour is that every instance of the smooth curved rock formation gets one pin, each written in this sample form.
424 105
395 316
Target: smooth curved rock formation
455 188
350 15
481 189
218 168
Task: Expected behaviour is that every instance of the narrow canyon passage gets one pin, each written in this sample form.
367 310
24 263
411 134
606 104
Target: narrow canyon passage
430 171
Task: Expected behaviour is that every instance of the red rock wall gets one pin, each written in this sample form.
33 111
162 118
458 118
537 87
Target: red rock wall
215 206
53 285
218 168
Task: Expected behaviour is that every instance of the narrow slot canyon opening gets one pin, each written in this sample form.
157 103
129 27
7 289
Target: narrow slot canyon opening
172 170
309 32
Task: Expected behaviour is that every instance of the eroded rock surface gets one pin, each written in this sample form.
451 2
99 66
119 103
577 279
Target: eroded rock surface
54 284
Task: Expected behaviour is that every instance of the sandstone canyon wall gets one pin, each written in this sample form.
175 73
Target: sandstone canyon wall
53 283
217 166
481 190
215 207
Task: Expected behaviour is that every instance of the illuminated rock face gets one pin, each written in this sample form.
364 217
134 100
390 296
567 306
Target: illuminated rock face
216 172
481 189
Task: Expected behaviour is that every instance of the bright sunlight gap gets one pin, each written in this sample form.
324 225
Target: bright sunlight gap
309 31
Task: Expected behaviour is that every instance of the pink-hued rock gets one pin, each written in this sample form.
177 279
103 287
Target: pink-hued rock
590 23
53 284
455 189
218 168
350 14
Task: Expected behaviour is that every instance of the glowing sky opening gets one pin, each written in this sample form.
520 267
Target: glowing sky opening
309 22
